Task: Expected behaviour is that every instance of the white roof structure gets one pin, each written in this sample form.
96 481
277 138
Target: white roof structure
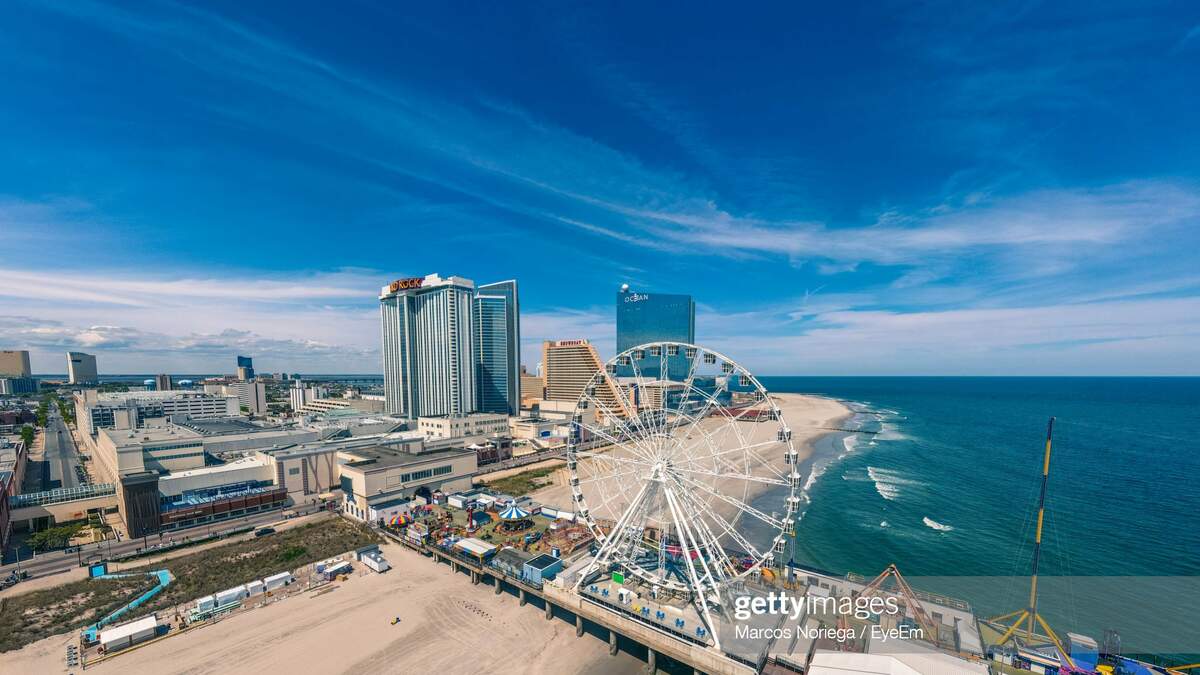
128 629
923 659
475 546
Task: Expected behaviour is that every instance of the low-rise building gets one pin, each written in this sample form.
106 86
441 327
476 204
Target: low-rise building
457 426
324 405
379 477
132 410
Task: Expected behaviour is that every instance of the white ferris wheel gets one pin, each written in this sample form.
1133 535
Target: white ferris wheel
683 468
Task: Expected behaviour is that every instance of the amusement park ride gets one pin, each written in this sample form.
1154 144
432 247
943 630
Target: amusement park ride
671 496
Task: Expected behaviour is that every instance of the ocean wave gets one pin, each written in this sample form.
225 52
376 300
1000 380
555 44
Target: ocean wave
935 525
889 432
883 523
890 484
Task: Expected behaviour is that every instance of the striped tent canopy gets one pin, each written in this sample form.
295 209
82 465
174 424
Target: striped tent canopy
513 512
400 520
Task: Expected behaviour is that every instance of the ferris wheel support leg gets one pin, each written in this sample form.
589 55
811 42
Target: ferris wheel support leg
615 536
699 588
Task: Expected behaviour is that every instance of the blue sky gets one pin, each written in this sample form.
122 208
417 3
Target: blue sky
887 188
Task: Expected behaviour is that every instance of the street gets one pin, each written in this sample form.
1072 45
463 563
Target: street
61 455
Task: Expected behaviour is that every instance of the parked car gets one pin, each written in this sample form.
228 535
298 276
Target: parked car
264 531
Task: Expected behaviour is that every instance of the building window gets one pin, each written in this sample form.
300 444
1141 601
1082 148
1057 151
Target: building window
294 472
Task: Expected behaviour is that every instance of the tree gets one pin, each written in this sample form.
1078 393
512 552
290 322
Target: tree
54 537
27 434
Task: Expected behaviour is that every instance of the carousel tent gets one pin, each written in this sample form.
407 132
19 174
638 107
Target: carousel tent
513 512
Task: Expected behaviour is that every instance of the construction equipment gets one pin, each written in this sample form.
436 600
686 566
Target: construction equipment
1029 615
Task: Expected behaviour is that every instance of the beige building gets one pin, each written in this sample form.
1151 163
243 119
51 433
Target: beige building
533 387
569 366
171 447
380 479
124 451
475 424
14 364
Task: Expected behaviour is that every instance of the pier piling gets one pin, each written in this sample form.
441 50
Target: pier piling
578 626
612 642
521 595
549 610
650 666
497 585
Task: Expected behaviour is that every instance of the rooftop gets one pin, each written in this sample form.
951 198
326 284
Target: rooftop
122 396
127 629
542 561
242 463
226 425
382 456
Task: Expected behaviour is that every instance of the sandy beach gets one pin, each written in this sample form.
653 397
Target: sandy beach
447 626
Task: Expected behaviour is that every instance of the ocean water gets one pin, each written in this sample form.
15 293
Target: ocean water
948 485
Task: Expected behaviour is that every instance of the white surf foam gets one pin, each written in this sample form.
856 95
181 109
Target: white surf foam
890 484
935 525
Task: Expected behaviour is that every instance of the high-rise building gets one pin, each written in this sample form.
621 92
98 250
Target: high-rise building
497 348
81 368
569 367
14 364
252 396
655 317
245 368
428 360
162 382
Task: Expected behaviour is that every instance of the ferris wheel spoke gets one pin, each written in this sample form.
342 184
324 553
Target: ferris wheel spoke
626 429
712 543
736 503
735 476
609 476
687 544
688 387
607 456
637 415
725 525
751 452
633 447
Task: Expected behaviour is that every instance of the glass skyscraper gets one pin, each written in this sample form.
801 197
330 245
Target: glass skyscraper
450 347
654 317
245 368
498 348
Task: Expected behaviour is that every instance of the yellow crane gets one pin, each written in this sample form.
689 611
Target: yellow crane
1029 615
